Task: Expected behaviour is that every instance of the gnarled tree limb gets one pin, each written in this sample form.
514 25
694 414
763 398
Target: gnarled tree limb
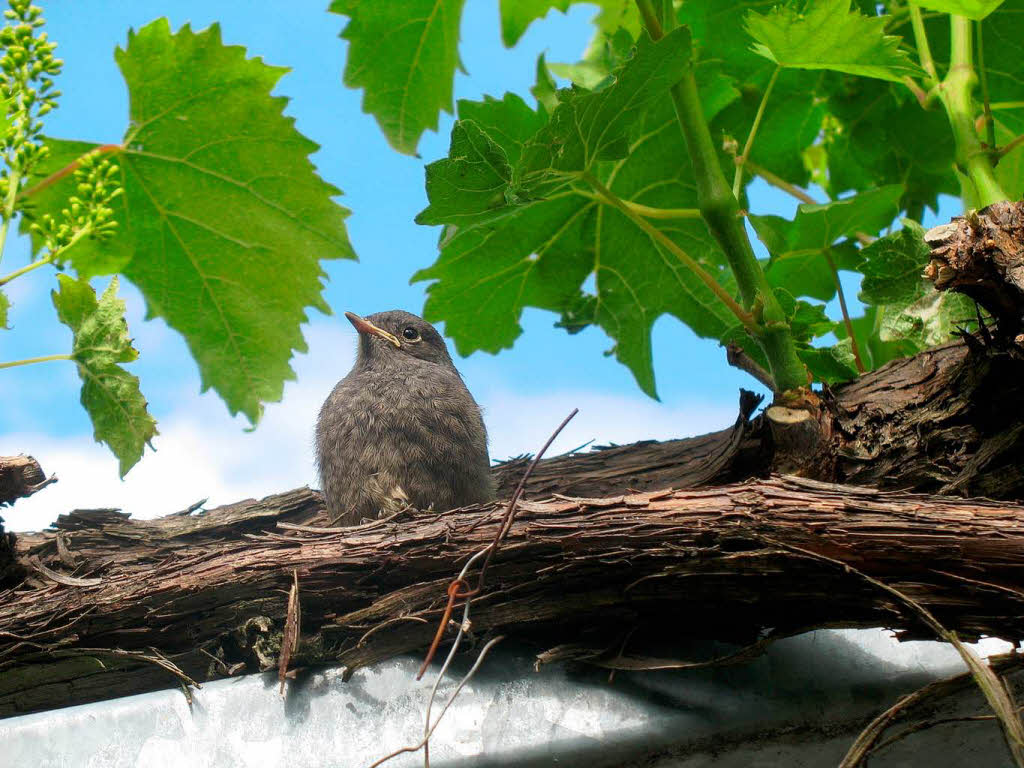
659 564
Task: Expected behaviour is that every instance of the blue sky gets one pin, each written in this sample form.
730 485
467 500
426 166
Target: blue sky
202 451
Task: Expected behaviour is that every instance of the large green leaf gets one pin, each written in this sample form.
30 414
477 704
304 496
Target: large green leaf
110 394
829 35
799 248
538 250
5 307
223 220
972 9
403 54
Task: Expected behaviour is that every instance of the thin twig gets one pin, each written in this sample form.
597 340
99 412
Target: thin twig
866 741
990 684
827 253
737 358
780 183
389 622
742 159
1011 145
506 523
462 683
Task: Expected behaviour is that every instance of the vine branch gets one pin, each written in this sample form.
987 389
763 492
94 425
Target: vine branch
720 211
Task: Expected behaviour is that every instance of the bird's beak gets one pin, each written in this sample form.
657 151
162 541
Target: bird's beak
365 326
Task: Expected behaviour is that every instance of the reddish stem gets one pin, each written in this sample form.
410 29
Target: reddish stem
70 168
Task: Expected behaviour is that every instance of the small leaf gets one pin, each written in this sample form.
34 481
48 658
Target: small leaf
892 266
910 310
223 220
510 122
830 364
471 180
545 91
5 307
403 54
110 394
830 36
972 9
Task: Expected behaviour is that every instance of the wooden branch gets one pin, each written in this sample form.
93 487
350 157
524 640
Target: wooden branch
573 571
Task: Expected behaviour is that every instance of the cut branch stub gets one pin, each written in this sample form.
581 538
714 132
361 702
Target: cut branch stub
981 255
20 476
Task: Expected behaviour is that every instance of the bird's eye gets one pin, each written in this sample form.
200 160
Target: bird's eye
411 333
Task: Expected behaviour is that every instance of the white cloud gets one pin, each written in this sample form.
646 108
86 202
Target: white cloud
202 453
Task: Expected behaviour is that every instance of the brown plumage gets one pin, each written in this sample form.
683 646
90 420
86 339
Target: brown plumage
401 428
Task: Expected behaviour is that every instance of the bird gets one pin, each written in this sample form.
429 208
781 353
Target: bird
401 429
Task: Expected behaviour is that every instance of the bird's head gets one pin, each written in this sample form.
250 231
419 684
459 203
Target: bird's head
396 335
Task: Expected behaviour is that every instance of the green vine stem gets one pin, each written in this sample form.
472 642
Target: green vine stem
741 161
647 211
924 51
720 210
955 93
14 181
48 258
31 360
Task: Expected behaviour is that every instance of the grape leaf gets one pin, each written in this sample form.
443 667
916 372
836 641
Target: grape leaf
110 394
798 248
828 35
403 54
933 318
5 307
910 310
972 9
874 136
892 266
223 220
537 251
588 126
830 364
509 122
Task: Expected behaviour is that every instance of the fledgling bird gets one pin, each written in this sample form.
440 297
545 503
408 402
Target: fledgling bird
401 428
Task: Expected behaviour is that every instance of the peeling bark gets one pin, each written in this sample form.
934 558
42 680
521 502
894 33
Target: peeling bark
209 592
